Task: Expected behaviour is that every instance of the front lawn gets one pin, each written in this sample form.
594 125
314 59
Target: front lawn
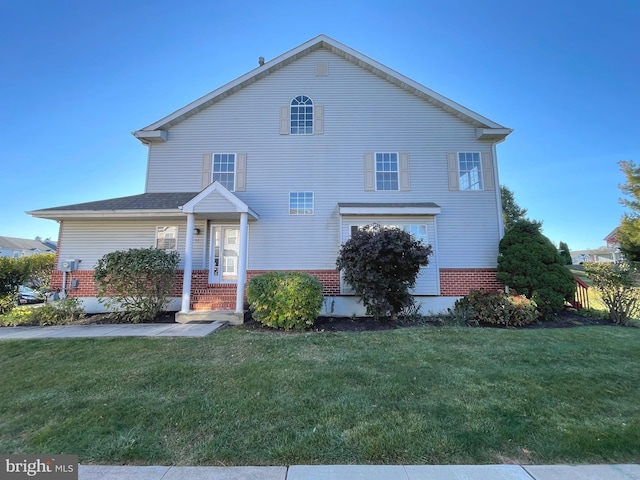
422 395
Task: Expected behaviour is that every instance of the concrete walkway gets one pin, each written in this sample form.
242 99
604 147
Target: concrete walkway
367 472
115 330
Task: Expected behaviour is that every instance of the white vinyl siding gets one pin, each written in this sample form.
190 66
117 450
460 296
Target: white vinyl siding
91 240
331 165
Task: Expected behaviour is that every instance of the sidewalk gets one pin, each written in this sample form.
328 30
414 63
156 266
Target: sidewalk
112 330
366 472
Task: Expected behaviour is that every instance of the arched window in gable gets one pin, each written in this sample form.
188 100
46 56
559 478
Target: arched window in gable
301 117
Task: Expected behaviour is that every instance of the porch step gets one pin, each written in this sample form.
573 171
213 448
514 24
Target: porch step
230 317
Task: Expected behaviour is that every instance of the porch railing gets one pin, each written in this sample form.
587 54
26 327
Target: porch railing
581 299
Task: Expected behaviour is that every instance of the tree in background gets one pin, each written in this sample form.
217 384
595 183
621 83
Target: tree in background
511 211
530 264
565 253
629 232
382 264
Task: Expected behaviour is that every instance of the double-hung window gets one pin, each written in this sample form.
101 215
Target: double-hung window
387 171
301 118
167 238
224 169
470 171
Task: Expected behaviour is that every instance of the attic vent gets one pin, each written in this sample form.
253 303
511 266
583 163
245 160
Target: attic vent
322 69
261 61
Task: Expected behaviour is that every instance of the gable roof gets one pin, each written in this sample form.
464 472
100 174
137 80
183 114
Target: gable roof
24 245
485 129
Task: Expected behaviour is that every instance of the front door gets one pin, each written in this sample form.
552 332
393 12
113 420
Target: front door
224 251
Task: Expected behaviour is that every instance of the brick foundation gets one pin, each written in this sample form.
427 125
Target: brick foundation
460 281
204 296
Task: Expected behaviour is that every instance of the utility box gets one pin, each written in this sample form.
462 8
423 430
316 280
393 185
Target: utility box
70 265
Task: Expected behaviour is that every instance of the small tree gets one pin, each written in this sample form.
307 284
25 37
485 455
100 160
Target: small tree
530 264
137 283
629 232
39 269
616 283
565 253
382 264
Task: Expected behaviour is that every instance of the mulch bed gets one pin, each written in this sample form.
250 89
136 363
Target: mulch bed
565 319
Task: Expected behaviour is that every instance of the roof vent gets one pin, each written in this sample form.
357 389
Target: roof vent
261 61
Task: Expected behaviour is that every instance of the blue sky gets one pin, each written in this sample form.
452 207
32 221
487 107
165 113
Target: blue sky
77 77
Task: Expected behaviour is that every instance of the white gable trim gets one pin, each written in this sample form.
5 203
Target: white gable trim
216 188
321 41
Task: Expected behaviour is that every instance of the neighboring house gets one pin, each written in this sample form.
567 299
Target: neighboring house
609 254
22 247
273 170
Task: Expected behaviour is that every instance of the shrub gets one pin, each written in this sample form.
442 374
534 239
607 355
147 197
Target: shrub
382 264
617 285
530 264
137 283
285 299
480 307
59 312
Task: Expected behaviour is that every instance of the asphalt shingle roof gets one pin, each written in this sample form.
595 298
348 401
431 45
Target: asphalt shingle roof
144 201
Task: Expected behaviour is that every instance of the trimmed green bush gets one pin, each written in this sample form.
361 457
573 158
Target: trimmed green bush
480 307
136 284
530 264
285 299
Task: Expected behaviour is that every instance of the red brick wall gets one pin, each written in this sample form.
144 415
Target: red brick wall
460 281
204 296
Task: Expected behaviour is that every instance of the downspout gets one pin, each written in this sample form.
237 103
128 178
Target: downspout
242 262
498 196
188 264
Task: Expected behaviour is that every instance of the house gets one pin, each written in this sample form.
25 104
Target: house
272 171
607 254
21 247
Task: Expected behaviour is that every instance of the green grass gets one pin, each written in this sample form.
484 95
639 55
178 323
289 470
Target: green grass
421 395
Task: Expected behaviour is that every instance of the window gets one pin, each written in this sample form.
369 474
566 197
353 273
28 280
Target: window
470 171
224 169
167 238
301 120
301 203
386 171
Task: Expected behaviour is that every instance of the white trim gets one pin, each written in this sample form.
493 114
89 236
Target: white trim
389 210
313 204
242 262
188 265
217 187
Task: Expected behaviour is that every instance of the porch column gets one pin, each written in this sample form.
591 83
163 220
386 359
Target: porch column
242 262
188 264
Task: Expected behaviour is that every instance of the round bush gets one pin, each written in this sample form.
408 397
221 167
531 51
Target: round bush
285 299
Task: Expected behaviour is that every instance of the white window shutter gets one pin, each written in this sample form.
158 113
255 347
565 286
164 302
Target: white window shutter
369 172
405 178
206 170
454 180
284 120
241 172
318 120
487 171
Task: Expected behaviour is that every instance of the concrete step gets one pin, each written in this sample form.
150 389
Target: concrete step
232 318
